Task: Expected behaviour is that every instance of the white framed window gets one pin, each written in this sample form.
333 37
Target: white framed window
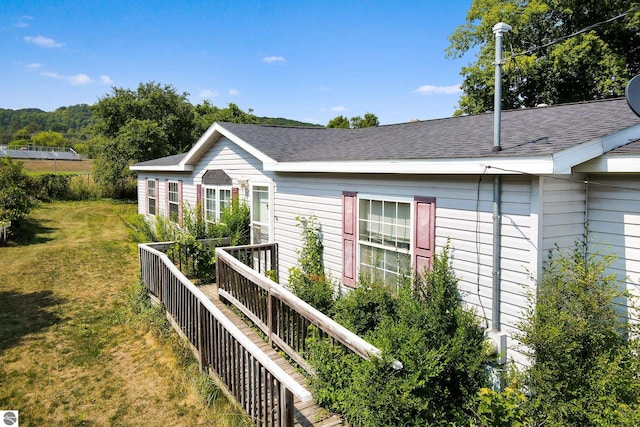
261 216
151 197
173 201
216 200
384 238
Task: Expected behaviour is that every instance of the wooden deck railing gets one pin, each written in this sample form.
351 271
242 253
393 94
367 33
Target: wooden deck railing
283 317
262 388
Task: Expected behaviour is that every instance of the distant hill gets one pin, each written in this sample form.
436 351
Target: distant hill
279 121
72 122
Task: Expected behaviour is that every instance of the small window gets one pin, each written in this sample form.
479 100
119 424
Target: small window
151 197
174 204
217 199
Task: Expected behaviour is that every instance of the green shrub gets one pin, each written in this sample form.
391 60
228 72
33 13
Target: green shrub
501 408
51 187
583 369
362 309
15 200
307 279
439 343
48 187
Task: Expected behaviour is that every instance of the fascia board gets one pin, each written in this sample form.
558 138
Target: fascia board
489 165
612 164
171 168
566 160
208 139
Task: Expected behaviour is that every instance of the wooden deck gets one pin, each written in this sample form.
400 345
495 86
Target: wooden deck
306 414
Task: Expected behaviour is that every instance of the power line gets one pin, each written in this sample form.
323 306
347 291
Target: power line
584 30
581 181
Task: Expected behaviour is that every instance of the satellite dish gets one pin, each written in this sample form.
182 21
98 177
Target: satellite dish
632 94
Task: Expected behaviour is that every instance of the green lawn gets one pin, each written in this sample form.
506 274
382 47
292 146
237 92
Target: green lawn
71 351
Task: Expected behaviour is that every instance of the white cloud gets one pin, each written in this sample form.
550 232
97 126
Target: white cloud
76 80
34 65
53 75
207 93
42 41
22 22
79 79
431 90
273 59
106 80
338 108
323 89
234 92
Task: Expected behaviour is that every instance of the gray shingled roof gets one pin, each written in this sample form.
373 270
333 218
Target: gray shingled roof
164 161
527 132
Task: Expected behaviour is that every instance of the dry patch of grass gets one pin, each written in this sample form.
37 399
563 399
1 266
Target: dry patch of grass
71 350
57 166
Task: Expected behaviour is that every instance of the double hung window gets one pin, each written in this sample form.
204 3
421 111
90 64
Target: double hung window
216 200
173 201
151 197
384 238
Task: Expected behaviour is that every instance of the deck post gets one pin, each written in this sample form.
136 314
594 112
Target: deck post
286 407
199 318
270 315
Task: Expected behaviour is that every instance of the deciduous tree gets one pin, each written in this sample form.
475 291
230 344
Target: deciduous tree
546 64
134 126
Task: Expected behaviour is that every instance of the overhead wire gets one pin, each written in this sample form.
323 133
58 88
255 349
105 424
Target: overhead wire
574 180
583 30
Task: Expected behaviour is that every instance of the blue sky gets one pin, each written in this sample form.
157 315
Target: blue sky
303 60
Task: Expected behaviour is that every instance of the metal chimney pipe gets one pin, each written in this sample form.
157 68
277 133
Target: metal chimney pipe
499 29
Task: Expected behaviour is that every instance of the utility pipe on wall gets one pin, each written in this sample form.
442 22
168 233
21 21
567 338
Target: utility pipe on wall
499 29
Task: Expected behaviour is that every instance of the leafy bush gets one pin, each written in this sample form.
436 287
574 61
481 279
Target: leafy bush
365 307
307 279
425 327
51 186
584 370
15 201
501 408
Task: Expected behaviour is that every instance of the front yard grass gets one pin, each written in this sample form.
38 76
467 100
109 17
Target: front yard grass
72 349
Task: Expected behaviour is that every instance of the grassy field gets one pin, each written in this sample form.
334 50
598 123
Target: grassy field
74 351
58 166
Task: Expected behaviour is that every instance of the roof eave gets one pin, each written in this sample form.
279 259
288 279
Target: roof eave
212 134
611 164
168 168
567 160
470 166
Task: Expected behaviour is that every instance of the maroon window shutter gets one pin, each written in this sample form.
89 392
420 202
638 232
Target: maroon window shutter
157 196
146 195
349 238
424 232
180 202
235 194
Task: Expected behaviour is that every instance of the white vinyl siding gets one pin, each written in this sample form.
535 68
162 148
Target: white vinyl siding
563 211
614 226
460 217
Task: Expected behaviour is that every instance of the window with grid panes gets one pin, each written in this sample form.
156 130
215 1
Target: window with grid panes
151 196
174 205
384 239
